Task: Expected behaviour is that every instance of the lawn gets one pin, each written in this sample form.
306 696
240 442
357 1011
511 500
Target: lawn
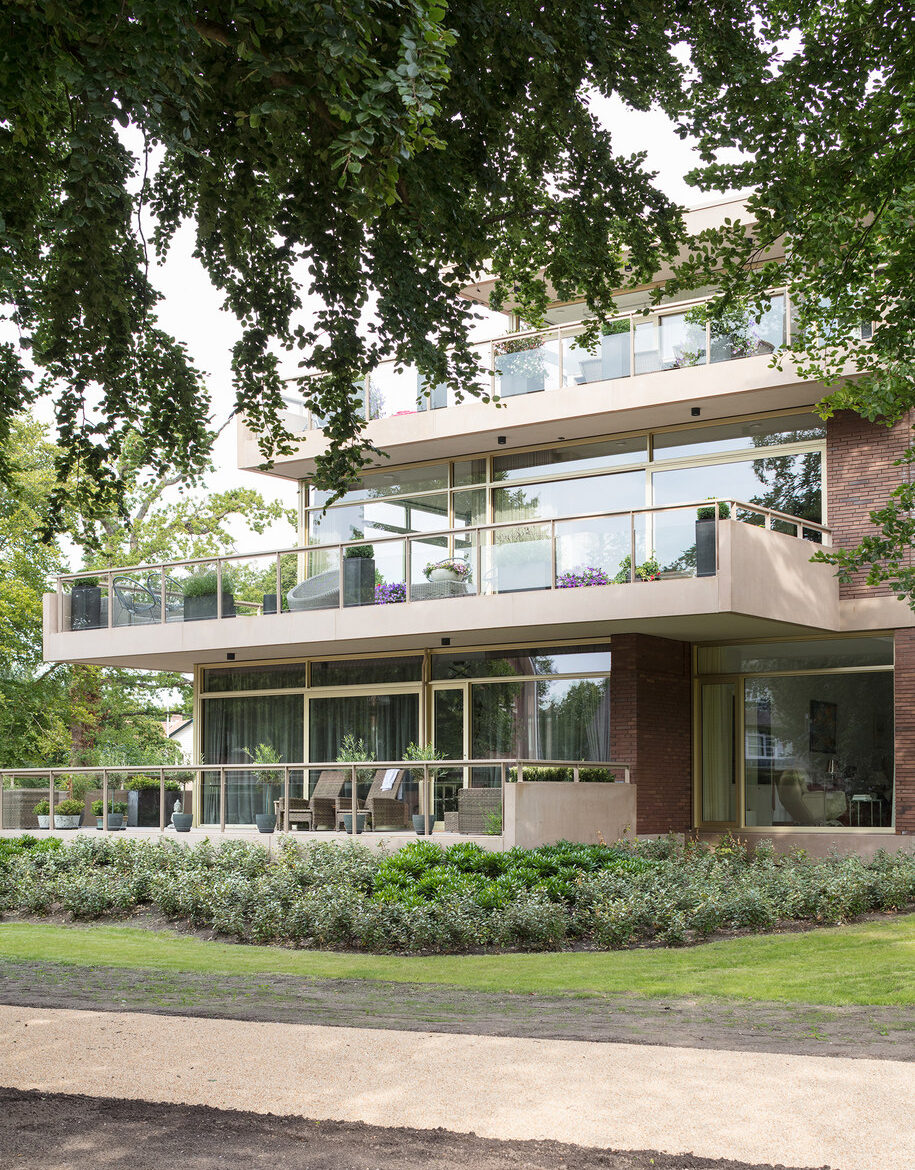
867 963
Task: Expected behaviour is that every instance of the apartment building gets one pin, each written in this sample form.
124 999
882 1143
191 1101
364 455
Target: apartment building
612 568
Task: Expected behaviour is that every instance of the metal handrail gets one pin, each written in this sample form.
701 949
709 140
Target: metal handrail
428 768
560 332
772 514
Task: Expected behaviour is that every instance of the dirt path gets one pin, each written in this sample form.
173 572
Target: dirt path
874 1032
54 1131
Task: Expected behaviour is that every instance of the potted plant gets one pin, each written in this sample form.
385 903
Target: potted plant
97 811
143 800
200 596
116 812
86 604
648 570
706 543
582 577
390 593
359 574
42 810
450 569
264 753
67 814
355 751
422 755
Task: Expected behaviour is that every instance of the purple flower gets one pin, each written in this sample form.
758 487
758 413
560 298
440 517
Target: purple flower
390 594
585 575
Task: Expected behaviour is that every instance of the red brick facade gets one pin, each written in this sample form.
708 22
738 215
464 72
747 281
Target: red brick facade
651 727
905 731
860 474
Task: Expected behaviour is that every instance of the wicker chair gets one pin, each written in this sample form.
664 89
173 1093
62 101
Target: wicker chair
384 803
324 799
475 807
318 592
299 812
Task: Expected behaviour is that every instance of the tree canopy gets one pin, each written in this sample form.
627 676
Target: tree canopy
390 148
825 123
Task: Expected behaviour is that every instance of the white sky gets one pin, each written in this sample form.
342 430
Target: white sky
191 307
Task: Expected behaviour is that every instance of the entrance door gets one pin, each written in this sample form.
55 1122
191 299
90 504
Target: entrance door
718 707
449 737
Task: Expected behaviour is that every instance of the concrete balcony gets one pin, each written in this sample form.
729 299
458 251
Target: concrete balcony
553 579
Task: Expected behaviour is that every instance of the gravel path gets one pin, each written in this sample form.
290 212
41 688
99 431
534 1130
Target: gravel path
755 1108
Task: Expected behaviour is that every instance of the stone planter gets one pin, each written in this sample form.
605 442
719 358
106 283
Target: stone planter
143 808
419 824
85 607
198 608
348 822
182 822
115 820
99 822
706 548
66 822
44 822
358 580
266 822
269 605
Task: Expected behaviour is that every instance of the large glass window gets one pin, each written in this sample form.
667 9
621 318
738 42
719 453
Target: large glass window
386 724
543 719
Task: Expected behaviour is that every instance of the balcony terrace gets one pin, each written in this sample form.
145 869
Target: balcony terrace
693 570
645 367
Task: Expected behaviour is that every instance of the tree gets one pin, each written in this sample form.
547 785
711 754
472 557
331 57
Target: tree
395 148
825 128
54 715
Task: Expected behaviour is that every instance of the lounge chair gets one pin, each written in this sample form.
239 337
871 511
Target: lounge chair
319 592
323 801
806 806
385 803
299 812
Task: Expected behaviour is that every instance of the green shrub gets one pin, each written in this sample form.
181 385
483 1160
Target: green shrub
206 584
148 783
68 808
42 808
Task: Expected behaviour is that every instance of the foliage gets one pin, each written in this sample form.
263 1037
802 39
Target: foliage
539 772
355 551
68 808
42 808
424 898
648 570
414 752
397 149
819 135
353 750
707 512
206 584
142 783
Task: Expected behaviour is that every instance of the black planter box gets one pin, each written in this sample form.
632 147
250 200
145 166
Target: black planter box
358 580
269 603
86 607
143 807
706 548
197 608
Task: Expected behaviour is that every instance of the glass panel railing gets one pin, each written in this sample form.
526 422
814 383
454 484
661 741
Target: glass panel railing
518 558
526 365
390 572
611 358
591 551
741 335
318 587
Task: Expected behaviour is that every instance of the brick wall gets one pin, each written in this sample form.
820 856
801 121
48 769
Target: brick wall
859 477
905 730
651 727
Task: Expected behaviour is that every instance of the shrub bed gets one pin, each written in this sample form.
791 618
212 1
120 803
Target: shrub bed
428 899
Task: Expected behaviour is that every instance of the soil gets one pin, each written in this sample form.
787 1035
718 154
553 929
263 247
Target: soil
872 1032
52 1131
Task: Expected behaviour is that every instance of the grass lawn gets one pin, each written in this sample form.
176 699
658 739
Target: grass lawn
870 963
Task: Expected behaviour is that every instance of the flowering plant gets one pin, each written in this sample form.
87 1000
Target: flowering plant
586 575
454 565
648 570
390 594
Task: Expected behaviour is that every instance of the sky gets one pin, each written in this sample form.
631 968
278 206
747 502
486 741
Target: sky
191 309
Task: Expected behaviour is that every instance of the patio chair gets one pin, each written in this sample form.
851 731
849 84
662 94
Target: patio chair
319 592
323 801
134 604
174 596
299 812
475 807
384 802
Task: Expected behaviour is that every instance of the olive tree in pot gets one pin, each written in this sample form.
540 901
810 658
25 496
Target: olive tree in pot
264 753
423 755
200 592
355 751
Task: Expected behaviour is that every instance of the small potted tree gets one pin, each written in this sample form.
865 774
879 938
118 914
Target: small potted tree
42 810
706 544
269 778
200 596
354 751
68 813
359 574
422 755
